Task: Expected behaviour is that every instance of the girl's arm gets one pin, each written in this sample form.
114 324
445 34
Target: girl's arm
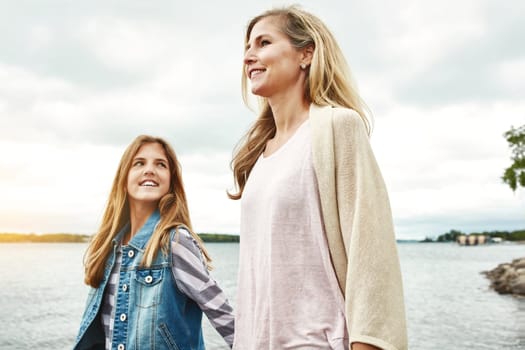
193 279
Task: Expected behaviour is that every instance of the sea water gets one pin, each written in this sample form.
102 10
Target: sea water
449 303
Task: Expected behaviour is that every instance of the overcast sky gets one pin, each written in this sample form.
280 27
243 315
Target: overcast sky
80 80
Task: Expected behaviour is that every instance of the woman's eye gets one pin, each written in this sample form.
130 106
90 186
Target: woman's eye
138 163
163 165
264 42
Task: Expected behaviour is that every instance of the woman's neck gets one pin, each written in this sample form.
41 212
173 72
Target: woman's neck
288 112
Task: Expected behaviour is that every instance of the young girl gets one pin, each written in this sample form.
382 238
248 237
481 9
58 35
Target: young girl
147 268
318 264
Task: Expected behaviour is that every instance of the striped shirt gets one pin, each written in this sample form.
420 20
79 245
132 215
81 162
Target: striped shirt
192 278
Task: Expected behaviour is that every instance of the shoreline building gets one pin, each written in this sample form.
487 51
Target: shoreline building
472 239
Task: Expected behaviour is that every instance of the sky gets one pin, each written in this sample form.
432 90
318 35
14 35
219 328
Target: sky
80 80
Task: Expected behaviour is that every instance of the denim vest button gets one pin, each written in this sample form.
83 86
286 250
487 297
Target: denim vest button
123 317
121 347
148 279
131 253
125 287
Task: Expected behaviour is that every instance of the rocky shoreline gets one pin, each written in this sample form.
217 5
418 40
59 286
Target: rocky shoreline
508 278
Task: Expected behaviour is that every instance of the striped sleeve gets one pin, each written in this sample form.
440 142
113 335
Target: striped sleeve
193 279
108 303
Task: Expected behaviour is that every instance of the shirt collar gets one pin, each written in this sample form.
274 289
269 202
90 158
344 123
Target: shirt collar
142 237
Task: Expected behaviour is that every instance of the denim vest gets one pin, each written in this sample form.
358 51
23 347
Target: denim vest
151 313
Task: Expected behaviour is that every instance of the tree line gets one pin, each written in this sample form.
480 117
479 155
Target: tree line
45 238
452 235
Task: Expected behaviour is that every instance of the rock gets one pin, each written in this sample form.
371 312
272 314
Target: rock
519 263
517 286
508 278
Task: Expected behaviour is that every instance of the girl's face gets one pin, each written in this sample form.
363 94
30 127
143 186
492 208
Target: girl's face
149 176
270 61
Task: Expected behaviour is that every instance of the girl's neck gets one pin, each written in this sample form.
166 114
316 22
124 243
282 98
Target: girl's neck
138 215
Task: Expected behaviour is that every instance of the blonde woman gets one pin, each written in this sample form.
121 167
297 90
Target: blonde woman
318 262
146 267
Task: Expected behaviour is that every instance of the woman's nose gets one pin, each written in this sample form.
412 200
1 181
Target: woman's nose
249 57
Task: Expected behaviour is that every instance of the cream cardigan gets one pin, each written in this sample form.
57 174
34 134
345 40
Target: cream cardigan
359 228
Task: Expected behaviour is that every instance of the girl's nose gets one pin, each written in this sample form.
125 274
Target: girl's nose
148 170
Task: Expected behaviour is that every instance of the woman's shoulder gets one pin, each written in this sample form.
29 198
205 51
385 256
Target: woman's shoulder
338 115
342 116
347 123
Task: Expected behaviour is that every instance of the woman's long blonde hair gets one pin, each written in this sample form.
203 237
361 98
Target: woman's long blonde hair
173 211
329 83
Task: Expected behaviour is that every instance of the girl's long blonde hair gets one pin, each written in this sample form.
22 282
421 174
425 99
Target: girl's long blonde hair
173 209
329 83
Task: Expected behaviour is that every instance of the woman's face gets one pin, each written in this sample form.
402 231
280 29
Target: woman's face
149 176
270 61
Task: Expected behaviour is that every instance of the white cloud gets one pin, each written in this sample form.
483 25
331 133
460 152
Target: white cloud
417 34
128 44
40 37
511 74
207 178
447 161
41 180
20 83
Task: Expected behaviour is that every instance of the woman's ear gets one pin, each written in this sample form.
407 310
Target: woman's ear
307 54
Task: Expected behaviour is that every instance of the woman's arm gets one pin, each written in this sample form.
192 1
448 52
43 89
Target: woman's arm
373 291
193 279
363 346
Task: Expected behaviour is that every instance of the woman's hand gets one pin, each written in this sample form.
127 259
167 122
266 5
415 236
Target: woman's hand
363 346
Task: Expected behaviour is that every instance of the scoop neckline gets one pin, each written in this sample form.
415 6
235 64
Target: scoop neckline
285 145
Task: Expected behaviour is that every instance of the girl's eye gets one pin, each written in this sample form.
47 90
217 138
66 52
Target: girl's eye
138 163
163 165
264 42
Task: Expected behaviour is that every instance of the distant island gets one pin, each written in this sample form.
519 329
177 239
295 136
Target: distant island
218 237
77 238
452 236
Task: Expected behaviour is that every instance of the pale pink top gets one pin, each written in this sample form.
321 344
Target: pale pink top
288 296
